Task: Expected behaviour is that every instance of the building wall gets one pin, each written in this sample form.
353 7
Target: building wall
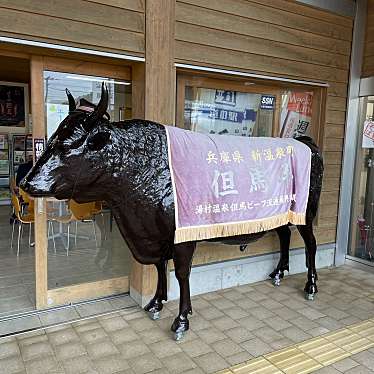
107 25
368 65
280 38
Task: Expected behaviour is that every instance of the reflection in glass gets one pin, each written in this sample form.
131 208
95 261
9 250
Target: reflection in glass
362 220
84 243
216 111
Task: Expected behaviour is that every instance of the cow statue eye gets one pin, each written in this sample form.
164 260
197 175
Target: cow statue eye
98 141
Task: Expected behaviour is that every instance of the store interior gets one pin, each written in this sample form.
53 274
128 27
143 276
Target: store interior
84 243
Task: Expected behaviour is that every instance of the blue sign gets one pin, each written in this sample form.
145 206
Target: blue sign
267 102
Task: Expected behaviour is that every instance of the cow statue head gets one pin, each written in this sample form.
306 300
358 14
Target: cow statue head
72 160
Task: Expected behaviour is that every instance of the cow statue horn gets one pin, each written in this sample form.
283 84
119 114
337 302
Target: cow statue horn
103 103
72 105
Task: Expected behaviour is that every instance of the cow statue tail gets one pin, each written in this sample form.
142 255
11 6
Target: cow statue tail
316 174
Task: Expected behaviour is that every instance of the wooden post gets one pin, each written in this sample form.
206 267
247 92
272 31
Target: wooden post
41 244
155 101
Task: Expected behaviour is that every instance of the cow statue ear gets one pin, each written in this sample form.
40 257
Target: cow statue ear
98 141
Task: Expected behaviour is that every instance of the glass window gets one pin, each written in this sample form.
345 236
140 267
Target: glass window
83 87
229 112
362 220
84 242
296 113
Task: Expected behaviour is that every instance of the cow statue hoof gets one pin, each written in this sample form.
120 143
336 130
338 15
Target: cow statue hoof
153 309
180 327
276 277
311 288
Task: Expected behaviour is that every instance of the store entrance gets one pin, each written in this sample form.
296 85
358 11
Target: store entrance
362 220
17 255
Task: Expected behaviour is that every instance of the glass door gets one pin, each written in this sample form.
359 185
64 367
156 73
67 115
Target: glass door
84 256
362 220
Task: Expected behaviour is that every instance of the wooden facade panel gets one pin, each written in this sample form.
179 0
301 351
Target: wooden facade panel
332 158
137 5
336 117
331 184
309 11
336 103
368 63
328 210
337 89
275 16
333 144
66 31
331 171
223 39
81 11
334 131
227 22
240 60
329 198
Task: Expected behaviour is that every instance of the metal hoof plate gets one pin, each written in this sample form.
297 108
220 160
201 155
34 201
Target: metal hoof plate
179 335
310 296
154 315
276 282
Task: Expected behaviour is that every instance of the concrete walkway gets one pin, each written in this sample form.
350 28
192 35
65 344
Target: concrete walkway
228 327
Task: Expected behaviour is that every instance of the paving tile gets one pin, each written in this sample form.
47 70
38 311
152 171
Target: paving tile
133 348
295 334
195 348
145 363
256 347
236 312
9 349
349 341
166 348
345 365
43 365
92 309
179 363
251 323
365 358
223 323
70 350
67 335
36 350
93 336
211 313
359 370
238 358
222 303
211 335
154 335
77 365
281 343
211 362
10 365
227 347
267 334
261 313
111 364
101 349
114 323
141 324
327 370
19 324
239 334
304 323
123 336
277 323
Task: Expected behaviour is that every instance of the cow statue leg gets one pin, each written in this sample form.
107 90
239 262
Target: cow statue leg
154 307
284 234
306 233
182 257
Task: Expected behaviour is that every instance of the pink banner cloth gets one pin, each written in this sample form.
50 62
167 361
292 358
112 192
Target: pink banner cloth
228 185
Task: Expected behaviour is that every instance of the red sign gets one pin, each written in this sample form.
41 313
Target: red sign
300 102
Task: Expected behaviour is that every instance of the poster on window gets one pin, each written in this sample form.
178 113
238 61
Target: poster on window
368 135
296 114
12 105
55 115
213 111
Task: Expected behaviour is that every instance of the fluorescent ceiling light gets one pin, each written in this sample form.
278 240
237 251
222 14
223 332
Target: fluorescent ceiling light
95 79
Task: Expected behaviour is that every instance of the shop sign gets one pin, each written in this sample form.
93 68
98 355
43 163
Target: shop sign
368 135
267 102
39 146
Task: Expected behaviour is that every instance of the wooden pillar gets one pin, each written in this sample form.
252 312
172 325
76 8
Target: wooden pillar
158 93
38 129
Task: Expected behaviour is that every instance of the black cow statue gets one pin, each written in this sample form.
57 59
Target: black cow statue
125 164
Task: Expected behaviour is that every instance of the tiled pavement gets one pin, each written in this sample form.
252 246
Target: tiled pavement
228 327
